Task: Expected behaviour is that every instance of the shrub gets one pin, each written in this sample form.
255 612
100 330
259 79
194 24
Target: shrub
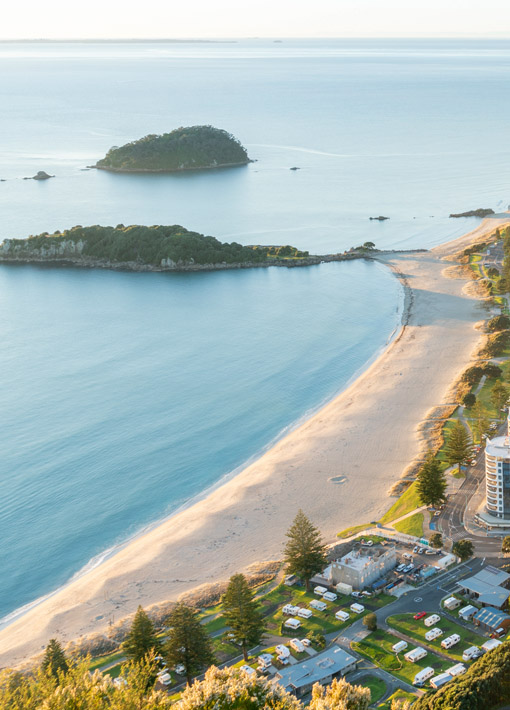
469 399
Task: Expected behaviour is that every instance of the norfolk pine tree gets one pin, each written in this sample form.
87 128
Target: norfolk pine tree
188 642
305 553
141 638
54 660
241 613
458 446
431 482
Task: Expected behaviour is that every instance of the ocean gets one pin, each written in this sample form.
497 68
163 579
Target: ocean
127 395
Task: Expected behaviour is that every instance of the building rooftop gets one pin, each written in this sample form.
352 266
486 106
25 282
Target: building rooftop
499 446
492 575
315 669
358 559
491 617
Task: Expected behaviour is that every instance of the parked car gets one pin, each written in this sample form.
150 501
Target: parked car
357 595
401 568
367 543
420 615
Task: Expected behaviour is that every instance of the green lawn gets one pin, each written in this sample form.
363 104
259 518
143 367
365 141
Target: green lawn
408 501
101 661
377 648
377 686
397 695
416 629
412 525
353 530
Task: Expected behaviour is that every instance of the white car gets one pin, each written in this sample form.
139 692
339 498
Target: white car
180 669
306 642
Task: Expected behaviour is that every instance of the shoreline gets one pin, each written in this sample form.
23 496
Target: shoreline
164 171
354 432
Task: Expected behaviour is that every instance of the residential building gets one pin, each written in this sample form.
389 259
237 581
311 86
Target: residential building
362 566
488 587
322 668
497 482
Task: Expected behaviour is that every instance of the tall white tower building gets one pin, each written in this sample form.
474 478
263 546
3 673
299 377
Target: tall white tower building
497 475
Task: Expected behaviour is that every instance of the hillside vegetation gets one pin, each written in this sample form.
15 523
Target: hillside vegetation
188 148
157 245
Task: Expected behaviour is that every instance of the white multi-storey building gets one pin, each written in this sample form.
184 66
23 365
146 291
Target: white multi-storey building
497 477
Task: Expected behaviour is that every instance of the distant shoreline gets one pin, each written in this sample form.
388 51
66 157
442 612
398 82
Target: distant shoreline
92 263
155 171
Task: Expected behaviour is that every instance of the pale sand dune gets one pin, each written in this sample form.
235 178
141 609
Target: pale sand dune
367 434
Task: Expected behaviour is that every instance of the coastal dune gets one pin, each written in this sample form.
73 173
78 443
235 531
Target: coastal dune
366 437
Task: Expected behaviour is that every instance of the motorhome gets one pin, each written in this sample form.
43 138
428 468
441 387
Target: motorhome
450 641
434 633
432 620
400 646
422 676
415 655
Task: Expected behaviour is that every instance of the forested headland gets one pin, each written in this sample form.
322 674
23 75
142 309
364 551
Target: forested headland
157 247
191 148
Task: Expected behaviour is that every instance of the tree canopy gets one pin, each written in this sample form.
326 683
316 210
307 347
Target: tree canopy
463 549
185 148
458 447
141 638
188 643
144 245
431 484
54 660
241 613
305 552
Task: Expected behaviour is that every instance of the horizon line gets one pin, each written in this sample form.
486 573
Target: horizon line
282 38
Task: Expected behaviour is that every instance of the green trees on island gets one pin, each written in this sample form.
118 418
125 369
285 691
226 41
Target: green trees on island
142 638
188 643
463 549
431 482
188 148
54 660
241 613
156 245
458 448
305 552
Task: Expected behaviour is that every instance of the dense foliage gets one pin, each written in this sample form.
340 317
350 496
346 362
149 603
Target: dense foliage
146 245
463 549
54 660
188 643
305 552
142 637
486 685
241 613
188 148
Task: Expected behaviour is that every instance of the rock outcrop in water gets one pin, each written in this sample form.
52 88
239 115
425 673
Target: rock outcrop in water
480 212
41 175
379 219
192 148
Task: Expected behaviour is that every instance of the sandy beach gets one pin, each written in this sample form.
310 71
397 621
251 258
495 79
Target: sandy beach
368 435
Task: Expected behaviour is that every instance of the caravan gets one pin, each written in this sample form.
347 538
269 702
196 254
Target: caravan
431 620
416 654
471 653
317 604
450 641
434 633
452 603
422 676
304 613
342 615
400 646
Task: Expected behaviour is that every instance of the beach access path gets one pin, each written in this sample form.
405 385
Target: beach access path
367 435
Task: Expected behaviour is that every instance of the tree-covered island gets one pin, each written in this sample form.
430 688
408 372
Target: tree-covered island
191 148
143 248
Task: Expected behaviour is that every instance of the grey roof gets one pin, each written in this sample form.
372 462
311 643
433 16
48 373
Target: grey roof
441 680
491 617
316 668
487 593
492 575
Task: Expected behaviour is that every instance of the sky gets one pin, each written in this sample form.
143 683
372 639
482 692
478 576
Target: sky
101 19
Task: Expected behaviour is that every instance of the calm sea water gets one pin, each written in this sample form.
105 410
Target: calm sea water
125 395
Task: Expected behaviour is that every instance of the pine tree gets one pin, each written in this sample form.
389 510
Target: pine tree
305 553
431 483
458 446
141 638
499 396
54 660
188 643
241 613
480 420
